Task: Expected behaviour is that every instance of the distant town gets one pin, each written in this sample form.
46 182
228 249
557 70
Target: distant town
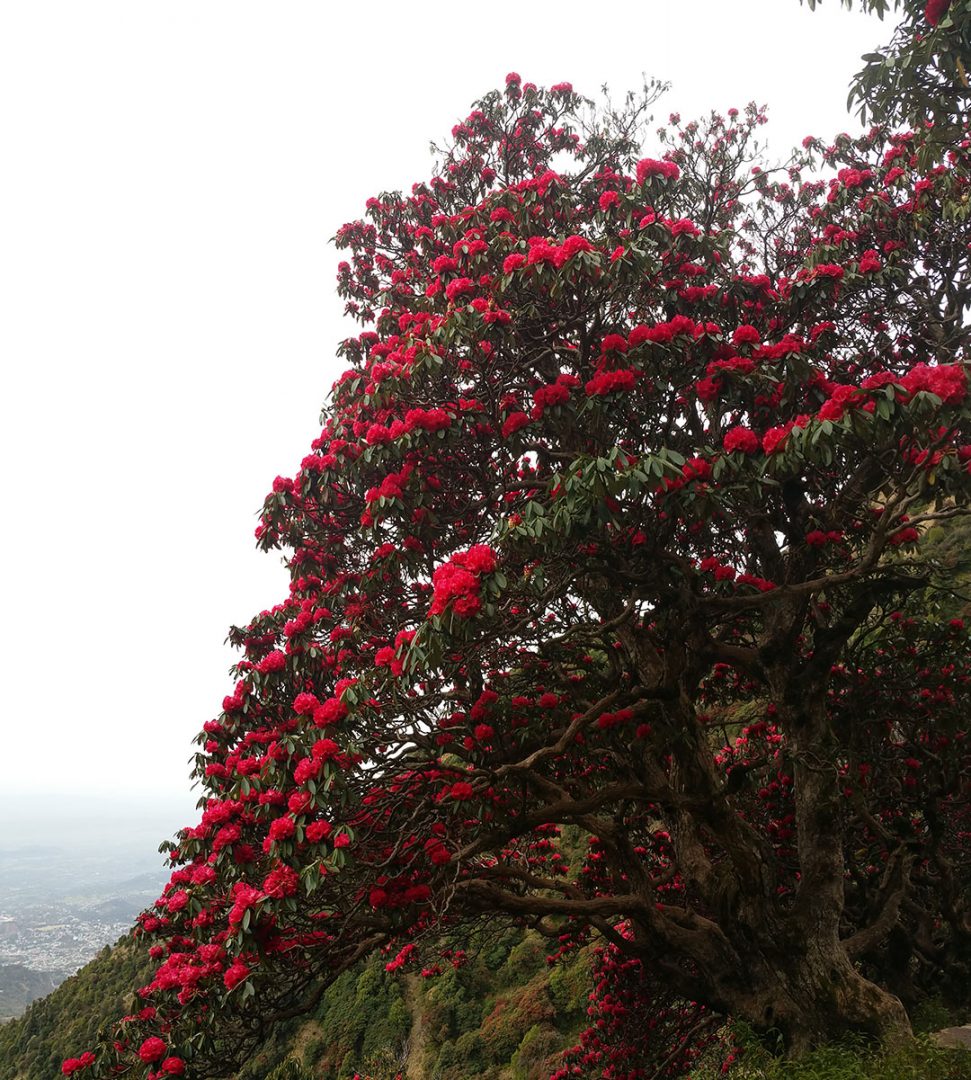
56 941
61 903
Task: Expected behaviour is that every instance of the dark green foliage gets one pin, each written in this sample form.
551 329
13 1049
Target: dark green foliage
361 1016
290 1070
505 1013
921 74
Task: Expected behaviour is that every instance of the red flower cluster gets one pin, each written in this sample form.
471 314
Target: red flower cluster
72 1065
648 167
457 583
611 382
948 381
742 439
935 10
152 1049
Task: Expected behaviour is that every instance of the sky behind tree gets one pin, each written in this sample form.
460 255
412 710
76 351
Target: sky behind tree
172 176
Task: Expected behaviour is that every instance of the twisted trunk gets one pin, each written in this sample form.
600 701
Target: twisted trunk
778 966
813 997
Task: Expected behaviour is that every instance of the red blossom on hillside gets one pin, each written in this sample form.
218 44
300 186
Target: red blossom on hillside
457 582
151 1049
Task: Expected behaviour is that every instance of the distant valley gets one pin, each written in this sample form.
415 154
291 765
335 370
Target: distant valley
70 887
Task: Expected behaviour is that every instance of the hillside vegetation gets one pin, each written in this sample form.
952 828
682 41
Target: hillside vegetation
502 1014
33 1046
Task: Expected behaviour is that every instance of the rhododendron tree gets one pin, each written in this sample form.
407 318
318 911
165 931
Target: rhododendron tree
921 75
615 522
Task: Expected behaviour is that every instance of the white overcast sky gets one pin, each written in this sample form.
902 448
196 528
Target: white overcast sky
170 174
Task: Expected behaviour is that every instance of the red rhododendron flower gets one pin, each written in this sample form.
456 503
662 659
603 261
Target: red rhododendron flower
481 559
273 661
458 287
457 582
177 900
233 976
574 244
317 831
935 10
304 704
306 769
614 343
696 468
841 398
948 381
648 167
244 896
72 1065
428 419
332 711
450 581
282 881
742 439
151 1049
774 438
467 605
546 397
513 422
282 828
869 262
609 382
324 749
746 335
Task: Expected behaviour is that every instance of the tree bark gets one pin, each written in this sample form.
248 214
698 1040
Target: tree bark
808 992
796 975
818 997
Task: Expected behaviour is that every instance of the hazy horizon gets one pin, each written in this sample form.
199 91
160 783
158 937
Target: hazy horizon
60 820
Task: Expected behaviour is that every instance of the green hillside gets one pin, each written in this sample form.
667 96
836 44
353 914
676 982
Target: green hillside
18 986
33 1046
502 1015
